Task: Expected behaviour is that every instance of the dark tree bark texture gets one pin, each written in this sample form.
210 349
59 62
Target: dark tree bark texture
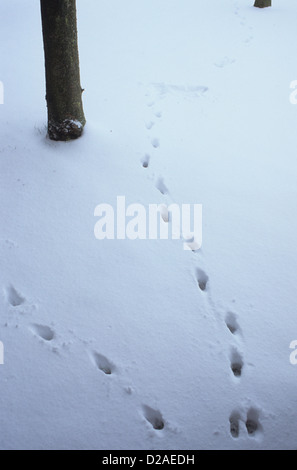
262 3
66 118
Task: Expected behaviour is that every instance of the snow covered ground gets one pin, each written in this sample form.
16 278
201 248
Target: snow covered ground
112 344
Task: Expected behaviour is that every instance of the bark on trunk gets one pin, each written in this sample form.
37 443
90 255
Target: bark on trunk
66 118
262 3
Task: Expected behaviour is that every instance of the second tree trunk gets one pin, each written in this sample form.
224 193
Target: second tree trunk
262 3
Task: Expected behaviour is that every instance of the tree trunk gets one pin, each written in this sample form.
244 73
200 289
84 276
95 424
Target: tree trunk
262 3
66 118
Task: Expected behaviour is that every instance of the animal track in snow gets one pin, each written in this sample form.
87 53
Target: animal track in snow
149 125
161 186
43 331
146 160
164 213
236 363
154 417
252 423
231 323
202 279
192 244
14 297
155 143
234 424
102 363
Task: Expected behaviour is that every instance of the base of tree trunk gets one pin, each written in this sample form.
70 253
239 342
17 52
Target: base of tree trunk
68 129
262 3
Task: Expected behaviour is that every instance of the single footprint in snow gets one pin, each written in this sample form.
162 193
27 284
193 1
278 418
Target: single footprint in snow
202 279
252 423
231 323
149 125
145 160
164 213
161 186
103 363
158 114
236 363
154 417
155 143
191 244
234 424
14 297
43 331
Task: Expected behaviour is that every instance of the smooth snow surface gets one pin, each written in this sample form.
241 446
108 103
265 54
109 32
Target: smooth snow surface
139 344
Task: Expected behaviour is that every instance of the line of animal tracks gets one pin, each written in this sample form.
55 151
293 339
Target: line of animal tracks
243 421
20 310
